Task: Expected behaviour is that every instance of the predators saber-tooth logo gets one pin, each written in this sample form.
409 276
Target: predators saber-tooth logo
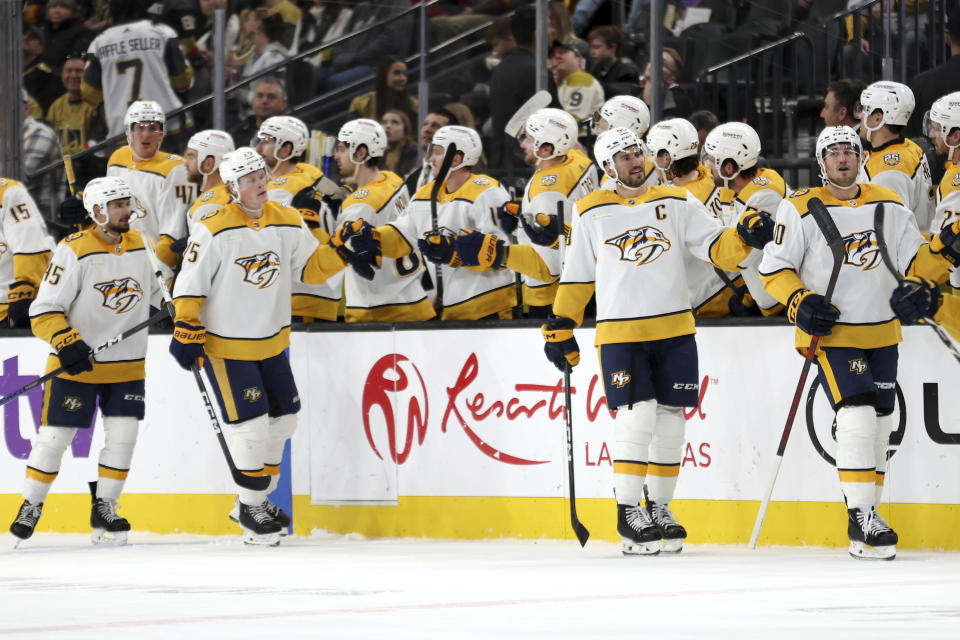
642 245
261 269
120 294
862 249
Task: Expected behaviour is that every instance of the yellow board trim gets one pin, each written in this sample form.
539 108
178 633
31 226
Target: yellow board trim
630 468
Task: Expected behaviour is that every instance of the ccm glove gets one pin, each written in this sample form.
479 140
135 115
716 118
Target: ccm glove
914 299
561 347
73 352
437 247
480 250
20 295
507 216
72 212
807 310
187 344
756 228
947 243
358 244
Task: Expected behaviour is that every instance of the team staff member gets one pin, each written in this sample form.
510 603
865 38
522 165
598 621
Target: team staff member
27 248
98 284
233 315
857 355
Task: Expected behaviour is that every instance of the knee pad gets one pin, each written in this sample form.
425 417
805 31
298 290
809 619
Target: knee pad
247 441
283 427
671 427
120 436
633 430
49 446
856 437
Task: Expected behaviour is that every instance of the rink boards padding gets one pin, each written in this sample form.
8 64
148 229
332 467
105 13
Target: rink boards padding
458 433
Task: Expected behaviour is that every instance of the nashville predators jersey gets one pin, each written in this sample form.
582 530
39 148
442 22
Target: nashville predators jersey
208 202
396 292
547 189
630 251
310 301
135 61
100 290
163 189
799 258
25 245
948 208
467 294
236 277
901 166
72 120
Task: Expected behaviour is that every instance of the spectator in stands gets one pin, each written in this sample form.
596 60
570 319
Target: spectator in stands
390 92
63 32
579 92
559 26
676 103
462 114
266 31
42 85
616 74
841 105
436 119
864 57
268 98
291 15
704 121
501 41
401 154
72 119
931 84
40 148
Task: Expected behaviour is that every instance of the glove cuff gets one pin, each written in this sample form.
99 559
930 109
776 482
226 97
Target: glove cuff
559 322
65 338
21 290
794 303
188 333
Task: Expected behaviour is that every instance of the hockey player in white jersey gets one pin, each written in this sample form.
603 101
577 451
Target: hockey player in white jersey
732 151
630 112
395 294
466 200
891 160
202 157
98 284
158 180
232 301
857 353
26 248
134 60
628 248
282 143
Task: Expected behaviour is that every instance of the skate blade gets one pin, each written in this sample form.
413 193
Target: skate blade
632 548
671 546
261 539
17 542
862 551
104 538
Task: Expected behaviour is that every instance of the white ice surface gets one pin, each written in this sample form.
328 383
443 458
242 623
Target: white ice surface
181 587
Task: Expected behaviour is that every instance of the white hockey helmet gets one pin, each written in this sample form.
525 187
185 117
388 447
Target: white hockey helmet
945 111
364 131
464 139
285 129
239 163
626 111
101 191
895 100
736 141
552 126
836 135
676 136
210 143
610 143
143 111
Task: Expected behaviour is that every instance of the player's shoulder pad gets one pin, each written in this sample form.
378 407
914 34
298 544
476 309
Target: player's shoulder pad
801 197
770 179
226 217
84 243
599 198
274 214
474 187
133 240
122 157
951 180
162 163
878 193
579 79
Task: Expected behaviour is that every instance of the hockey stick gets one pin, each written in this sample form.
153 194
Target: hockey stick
518 120
829 230
434 194
254 483
157 317
888 262
578 528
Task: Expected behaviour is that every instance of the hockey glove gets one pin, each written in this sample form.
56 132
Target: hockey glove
507 216
480 250
72 212
73 352
543 229
437 247
561 347
756 228
947 243
742 305
177 246
358 244
807 310
915 298
186 347
19 298
306 199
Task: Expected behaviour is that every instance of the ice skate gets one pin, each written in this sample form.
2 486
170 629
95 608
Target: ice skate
871 538
108 527
276 512
639 534
672 531
26 521
259 527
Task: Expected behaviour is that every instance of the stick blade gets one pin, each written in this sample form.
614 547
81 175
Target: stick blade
518 120
582 534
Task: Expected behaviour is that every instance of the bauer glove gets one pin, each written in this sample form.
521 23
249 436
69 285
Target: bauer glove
807 310
358 244
73 352
187 344
561 347
544 229
476 249
437 247
915 298
756 228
